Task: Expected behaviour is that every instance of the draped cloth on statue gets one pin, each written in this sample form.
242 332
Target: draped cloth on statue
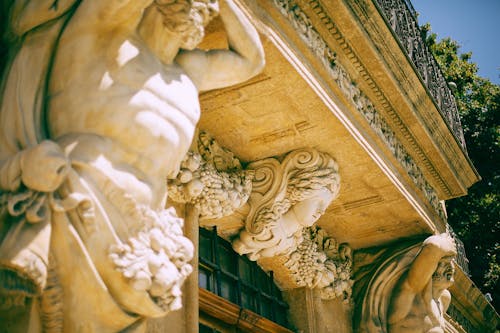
26 245
68 221
377 271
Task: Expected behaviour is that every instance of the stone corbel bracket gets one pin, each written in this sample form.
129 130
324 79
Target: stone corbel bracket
212 180
320 262
305 178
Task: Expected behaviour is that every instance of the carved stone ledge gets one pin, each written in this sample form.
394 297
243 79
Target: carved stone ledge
217 307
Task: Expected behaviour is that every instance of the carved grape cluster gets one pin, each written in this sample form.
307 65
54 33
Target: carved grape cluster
214 193
305 263
156 260
319 262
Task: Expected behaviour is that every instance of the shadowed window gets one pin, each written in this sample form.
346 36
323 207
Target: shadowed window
235 278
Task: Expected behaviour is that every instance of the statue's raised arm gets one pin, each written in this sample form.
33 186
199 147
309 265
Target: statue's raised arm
100 105
421 296
434 249
221 68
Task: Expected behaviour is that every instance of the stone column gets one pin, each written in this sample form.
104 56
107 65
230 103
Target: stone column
190 295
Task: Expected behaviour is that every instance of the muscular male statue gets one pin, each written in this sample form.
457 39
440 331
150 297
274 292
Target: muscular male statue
94 119
128 71
421 298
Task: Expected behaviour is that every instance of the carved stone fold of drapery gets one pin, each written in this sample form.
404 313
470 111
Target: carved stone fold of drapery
28 194
40 183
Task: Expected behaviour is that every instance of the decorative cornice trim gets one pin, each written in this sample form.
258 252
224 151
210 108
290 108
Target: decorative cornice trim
301 22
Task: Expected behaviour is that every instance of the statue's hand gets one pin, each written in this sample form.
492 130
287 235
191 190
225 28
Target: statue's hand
443 242
44 167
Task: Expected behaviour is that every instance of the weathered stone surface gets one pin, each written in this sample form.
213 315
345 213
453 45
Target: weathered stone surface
100 104
404 287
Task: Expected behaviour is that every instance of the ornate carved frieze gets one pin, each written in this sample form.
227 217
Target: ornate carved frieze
212 180
287 197
320 262
306 30
402 19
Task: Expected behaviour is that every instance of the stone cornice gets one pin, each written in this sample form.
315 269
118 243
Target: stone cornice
417 126
472 304
402 18
445 163
362 103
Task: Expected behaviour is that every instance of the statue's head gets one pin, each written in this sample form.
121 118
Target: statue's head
311 186
188 18
311 190
311 206
300 187
443 275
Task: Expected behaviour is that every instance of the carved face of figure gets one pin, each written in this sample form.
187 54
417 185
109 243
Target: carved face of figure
308 211
188 18
443 276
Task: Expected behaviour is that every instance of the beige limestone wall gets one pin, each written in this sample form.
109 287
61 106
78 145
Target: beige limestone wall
310 314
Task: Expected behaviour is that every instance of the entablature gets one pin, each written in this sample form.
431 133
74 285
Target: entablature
407 88
311 94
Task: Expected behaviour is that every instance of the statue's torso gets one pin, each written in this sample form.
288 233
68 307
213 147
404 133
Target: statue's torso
116 88
419 318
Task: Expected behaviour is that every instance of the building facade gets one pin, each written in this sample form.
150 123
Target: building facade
307 196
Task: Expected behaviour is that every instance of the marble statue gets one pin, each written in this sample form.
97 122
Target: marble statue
402 288
421 297
286 198
99 106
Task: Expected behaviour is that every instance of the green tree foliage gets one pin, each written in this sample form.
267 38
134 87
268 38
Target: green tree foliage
475 217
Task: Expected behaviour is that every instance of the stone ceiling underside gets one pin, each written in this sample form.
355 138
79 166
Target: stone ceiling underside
278 112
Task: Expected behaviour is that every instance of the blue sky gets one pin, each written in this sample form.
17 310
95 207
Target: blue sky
474 24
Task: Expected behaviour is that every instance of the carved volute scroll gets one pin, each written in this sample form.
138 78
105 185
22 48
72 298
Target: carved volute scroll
404 286
287 196
213 180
